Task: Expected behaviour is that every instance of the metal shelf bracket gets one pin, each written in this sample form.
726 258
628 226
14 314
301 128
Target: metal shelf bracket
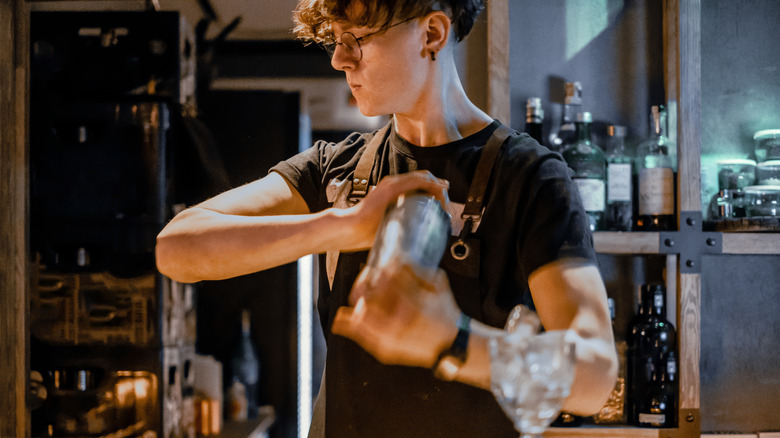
690 242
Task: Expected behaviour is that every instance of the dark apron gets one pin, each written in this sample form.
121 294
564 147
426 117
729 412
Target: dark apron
372 400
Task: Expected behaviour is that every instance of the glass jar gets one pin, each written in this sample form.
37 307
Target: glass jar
768 173
767 145
733 176
736 174
762 201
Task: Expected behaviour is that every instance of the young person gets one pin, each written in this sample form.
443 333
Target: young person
527 235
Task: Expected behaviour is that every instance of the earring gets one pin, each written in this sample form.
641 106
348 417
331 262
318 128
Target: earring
433 56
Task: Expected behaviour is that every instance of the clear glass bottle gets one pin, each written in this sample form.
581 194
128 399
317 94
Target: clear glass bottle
587 161
245 366
534 117
619 212
655 177
566 133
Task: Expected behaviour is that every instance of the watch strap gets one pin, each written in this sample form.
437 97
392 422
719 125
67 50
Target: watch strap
452 359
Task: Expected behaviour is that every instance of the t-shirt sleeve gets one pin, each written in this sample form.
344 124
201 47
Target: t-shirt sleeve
310 171
555 225
303 172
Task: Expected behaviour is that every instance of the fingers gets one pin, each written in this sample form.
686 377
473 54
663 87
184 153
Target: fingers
420 180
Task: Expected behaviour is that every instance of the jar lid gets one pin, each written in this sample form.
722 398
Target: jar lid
737 161
766 134
771 164
762 190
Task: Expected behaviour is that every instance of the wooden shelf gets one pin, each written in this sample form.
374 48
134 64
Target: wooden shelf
751 243
606 431
254 428
628 242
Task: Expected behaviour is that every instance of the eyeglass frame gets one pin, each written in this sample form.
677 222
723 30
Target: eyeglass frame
330 46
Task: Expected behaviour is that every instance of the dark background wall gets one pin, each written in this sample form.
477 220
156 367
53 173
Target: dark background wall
740 361
614 47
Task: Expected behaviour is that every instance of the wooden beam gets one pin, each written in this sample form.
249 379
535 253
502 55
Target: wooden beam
682 80
14 354
499 98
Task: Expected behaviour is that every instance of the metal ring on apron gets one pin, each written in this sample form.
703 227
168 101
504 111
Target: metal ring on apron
460 250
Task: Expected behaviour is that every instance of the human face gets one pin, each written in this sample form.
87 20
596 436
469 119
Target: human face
383 74
349 42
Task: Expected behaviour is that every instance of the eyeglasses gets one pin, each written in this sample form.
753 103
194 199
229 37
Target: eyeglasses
351 43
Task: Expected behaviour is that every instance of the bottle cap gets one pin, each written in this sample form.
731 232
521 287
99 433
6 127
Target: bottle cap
616 131
245 321
585 117
533 107
573 93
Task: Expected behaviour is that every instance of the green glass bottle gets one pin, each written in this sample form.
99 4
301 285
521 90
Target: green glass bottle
587 161
619 214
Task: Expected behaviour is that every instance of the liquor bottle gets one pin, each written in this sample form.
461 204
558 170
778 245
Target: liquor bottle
534 116
619 213
236 403
655 168
614 410
587 161
652 341
566 133
245 366
658 408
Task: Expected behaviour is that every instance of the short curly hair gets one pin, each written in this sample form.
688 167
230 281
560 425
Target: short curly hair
313 18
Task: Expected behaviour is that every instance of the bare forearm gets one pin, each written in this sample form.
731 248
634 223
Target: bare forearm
201 244
594 377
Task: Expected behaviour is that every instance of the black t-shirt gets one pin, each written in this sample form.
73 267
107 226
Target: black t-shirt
533 216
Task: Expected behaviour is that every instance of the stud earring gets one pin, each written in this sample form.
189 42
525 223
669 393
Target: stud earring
433 56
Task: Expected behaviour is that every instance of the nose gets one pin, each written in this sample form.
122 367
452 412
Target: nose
341 59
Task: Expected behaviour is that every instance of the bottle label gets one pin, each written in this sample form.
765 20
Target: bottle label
653 419
618 182
656 191
592 193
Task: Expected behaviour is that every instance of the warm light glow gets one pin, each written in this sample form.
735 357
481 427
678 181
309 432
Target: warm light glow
141 387
125 392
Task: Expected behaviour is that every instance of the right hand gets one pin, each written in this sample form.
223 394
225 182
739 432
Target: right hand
366 215
400 315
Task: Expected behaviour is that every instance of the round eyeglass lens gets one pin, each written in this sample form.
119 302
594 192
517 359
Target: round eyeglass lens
352 46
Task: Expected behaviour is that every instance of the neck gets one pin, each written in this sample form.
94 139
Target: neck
443 113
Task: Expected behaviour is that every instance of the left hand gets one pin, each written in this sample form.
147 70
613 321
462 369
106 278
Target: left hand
400 316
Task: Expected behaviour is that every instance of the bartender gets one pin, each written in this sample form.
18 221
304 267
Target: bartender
397 364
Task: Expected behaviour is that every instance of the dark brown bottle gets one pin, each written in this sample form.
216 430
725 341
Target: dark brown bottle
652 371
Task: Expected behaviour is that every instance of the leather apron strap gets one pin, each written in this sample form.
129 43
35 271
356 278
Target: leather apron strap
472 211
362 178
351 192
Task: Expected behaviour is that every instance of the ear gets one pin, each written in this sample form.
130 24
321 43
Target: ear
437 32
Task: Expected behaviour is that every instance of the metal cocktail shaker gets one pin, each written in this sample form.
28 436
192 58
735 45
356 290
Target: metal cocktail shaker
414 231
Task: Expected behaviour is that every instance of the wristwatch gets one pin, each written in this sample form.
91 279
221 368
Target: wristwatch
452 359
